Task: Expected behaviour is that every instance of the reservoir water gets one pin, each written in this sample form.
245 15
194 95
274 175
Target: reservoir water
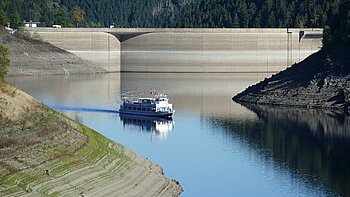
213 146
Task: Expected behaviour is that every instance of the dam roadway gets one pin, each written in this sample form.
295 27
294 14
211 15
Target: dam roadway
186 49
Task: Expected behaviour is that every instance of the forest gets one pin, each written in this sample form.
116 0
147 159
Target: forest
330 14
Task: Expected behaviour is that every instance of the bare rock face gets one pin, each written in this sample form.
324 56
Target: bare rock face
320 81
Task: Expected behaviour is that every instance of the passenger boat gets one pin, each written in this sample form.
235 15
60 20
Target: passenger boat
158 106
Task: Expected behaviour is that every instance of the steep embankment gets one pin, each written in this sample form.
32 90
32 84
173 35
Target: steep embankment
34 57
42 153
320 81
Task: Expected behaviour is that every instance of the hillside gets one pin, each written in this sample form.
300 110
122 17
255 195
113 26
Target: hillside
34 57
169 13
42 152
320 81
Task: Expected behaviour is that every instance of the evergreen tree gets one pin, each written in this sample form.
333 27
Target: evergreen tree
235 21
338 31
174 13
15 20
34 12
271 21
3 18
61 16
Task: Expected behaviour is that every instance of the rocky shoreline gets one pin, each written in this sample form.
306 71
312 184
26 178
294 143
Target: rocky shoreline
34 57
320 81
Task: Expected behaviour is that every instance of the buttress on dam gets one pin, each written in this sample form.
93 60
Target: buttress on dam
265 50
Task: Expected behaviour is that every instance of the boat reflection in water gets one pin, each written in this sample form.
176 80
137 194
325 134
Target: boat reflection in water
155 125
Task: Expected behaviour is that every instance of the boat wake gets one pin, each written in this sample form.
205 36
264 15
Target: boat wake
83 109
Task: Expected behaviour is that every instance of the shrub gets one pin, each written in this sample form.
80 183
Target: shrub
4 62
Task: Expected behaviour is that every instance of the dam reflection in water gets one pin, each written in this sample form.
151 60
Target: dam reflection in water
217 147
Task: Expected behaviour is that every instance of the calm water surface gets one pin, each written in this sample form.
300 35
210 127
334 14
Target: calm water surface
214 147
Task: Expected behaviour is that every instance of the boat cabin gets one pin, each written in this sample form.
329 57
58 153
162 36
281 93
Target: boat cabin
157 106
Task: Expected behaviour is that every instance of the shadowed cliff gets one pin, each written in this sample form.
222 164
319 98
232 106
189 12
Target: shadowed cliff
320 81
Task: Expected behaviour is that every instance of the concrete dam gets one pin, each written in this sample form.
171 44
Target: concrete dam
186 50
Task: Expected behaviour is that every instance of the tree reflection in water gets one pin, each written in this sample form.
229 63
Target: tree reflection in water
312 143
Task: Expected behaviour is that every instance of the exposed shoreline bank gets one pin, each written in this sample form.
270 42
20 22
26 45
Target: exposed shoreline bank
43 152
34 57
321 81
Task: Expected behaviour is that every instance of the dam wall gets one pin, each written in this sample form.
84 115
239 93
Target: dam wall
219 50
100 48
187 50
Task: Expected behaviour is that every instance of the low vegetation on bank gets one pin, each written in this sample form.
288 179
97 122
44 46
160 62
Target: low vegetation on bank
4 62
38 144
45 153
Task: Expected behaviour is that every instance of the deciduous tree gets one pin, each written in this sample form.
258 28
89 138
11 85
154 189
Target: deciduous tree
77 15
